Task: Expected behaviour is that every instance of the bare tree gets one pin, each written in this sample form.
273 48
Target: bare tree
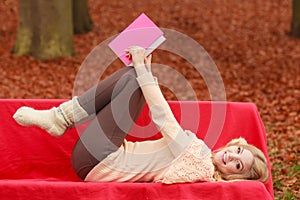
295 27
46 27
81 18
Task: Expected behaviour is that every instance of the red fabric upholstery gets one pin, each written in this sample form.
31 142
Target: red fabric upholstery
35 165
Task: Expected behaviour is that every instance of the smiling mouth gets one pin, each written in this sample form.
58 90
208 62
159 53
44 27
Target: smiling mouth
224 158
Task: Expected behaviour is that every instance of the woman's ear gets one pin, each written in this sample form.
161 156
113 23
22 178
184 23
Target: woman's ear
237 141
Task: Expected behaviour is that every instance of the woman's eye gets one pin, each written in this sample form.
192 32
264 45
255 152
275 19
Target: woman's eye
239 150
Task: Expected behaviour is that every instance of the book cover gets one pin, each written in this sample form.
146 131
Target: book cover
141 32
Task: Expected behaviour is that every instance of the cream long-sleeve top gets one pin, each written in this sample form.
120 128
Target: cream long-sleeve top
179 156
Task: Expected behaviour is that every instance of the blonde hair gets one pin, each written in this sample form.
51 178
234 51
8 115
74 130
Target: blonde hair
258 171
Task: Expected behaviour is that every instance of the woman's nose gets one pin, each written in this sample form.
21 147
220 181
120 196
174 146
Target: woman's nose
232 156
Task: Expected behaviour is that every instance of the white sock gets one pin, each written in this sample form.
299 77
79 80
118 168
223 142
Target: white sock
56 120
50 120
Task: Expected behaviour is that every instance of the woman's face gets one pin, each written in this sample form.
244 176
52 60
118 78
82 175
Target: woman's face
233 160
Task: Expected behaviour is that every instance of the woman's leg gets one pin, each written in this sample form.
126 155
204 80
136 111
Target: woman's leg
97 97
117 102
57 120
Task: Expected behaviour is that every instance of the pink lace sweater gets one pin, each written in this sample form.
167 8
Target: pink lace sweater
177 157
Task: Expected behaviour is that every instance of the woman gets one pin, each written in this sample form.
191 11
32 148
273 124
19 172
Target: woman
102 153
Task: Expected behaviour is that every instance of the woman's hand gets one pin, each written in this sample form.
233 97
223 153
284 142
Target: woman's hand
141 63
138 55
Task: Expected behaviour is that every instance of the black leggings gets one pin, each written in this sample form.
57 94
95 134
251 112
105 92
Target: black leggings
117 102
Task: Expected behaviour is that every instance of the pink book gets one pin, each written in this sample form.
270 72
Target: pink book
141 32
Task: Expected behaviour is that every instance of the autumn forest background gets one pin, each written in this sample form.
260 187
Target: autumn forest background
250 42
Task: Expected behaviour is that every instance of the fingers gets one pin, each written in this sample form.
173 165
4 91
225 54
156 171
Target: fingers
127 54
135 49
137 54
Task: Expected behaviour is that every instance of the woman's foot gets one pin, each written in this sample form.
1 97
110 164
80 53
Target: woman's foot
51 120
55 120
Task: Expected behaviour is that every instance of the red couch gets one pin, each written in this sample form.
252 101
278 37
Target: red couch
35 165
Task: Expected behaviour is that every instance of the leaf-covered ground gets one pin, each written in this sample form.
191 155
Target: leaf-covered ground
248 40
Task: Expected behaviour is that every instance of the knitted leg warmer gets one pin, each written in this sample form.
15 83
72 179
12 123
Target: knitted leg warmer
55 120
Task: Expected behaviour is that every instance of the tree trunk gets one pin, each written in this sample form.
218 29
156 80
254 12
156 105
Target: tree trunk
45 29
295 29
81 18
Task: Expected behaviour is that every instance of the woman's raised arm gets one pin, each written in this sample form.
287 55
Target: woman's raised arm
161 113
